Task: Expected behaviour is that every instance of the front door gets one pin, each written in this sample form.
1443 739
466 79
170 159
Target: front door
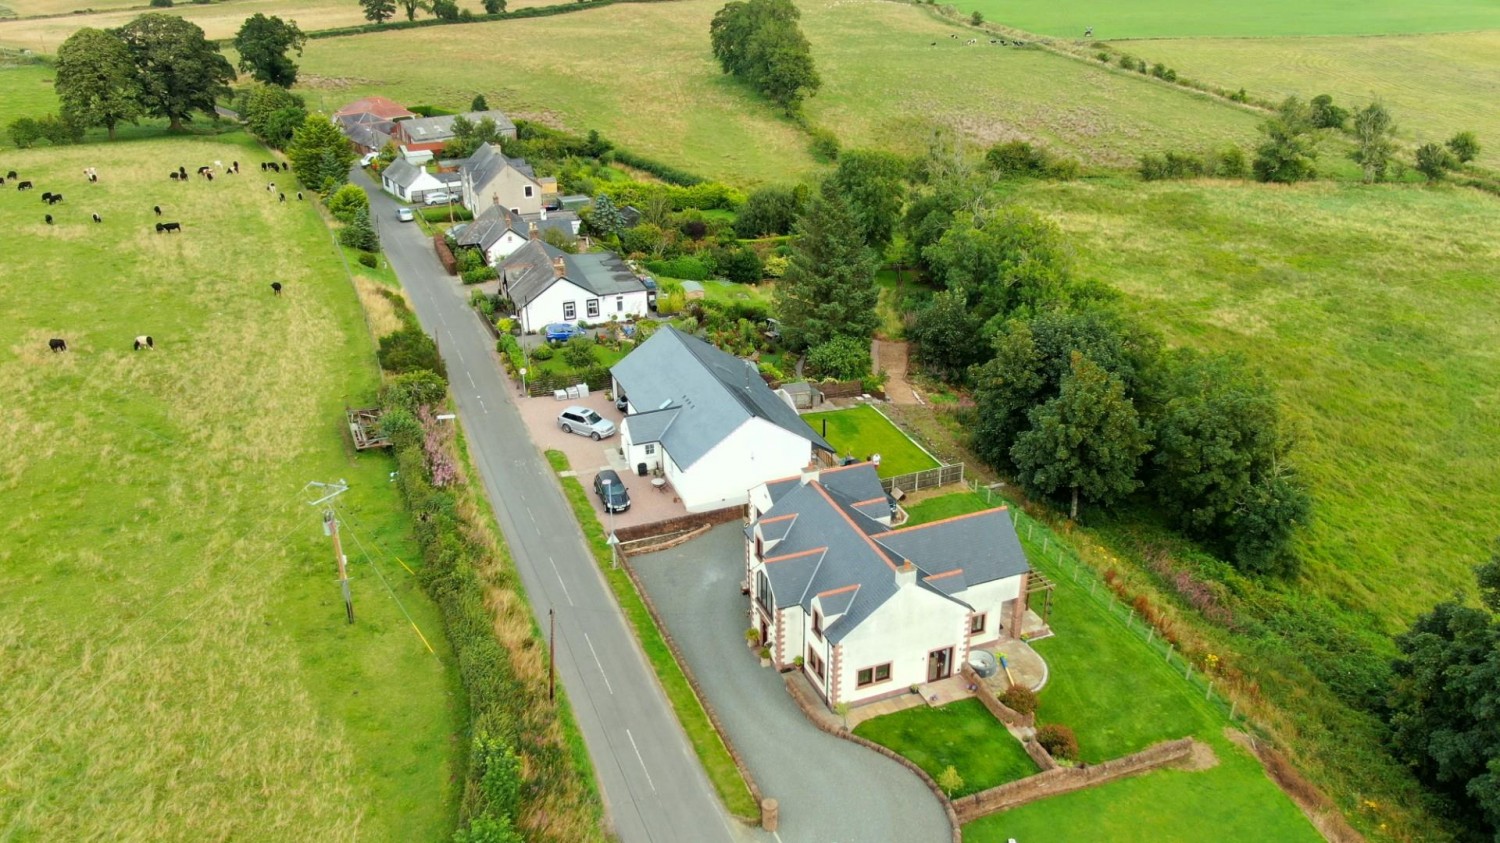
940 664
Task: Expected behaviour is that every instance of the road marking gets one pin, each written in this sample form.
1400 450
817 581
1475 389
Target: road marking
642 760
443 319
471 379
532 516
570 603
590 642
481 405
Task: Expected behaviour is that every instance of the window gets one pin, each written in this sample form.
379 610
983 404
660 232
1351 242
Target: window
763 591
619 304
650 448
817 623
528 191
593 307
872 675
976 624
814 663
570 311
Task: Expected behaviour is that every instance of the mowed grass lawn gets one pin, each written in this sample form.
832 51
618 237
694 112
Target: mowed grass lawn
961 734
1169 18
1374 310
1434 85
863 431
175 656
1120 696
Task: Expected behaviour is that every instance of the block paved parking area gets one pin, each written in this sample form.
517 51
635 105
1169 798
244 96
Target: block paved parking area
588 457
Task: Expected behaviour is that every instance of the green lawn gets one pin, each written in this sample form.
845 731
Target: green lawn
863 431
1374 310
1174 18
603 355
178 663
962 734
1429 82
695 723
947 506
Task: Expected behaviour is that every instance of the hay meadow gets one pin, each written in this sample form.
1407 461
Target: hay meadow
174 653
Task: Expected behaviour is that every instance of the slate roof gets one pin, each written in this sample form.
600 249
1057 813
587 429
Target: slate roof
830 546
716 391
488 161
496 220
651 426
403 173
440 129
529 271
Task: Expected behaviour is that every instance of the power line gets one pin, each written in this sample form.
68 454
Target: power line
371 559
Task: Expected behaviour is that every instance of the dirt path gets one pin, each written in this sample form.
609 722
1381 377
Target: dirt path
891 357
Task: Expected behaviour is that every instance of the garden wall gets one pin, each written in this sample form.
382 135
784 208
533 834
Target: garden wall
680 524
1002 712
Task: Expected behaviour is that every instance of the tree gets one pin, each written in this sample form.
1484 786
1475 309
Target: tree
829 286
492 7
1088 440
59 130
768 211
1008 261
976 19
24 132
262 43
96 80
347 202
1464 146
1259 531
1286 155
469 136
760 42
578 353
1444 706
321 156
411 7
444 9
950 781
1433 161
360 233
1374 133
842 358
271 113
378 11
1323 114
479 103
946 336
873 183
740 265
604 218
180 70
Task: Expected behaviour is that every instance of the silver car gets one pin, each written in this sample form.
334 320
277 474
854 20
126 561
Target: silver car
585 422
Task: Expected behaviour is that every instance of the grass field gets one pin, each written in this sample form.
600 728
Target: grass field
1373 308
1180 18
862 431
176 660
28 93
1433 84
962 734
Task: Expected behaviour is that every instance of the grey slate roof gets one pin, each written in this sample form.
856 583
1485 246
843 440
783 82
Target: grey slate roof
402 172
829 546
488 161
530 270
495 220
716 391
651 426
439 129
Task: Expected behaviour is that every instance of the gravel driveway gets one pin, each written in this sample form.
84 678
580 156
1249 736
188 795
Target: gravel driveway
829 790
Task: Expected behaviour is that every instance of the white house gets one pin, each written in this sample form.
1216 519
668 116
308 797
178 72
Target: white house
490 178
868 610
499 233
707 421
411 182
549 285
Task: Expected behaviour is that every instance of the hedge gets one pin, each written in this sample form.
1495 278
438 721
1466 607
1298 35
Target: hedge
439 213
530 12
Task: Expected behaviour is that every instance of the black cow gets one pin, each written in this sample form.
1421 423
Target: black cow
204 169
181 171
157 209
11 175
2 181
174 176
144 342
275 166
209 176
263 167
56 198
283 197
25 185
235 167
299 196
47 197
57 344
168 226
276 287
49 219
98 218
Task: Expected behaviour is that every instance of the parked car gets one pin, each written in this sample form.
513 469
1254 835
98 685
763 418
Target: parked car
368 159
611 491
563 331
442 197
405 214
585 422
622 402
650 284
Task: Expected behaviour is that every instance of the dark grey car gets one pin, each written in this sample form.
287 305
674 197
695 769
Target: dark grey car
611 491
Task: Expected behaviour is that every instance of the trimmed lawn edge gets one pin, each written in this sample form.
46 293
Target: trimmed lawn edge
708 743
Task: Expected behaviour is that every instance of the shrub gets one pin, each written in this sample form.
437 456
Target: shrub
1433 161
1019 699
843 358
578 353
543 352
825 145
1232 164
478 275
1464 146
24 132
1240 96
976 19
410 350
161 4
1058 740
1172 165
741 265
368 259
346 202
1102 56
688 267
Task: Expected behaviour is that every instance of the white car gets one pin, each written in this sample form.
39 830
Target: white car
405 214
368 159
585 422
440 198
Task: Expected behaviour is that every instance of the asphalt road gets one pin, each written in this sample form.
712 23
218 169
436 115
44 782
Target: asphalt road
653 786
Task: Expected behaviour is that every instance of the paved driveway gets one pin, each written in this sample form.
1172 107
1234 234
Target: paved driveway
830 790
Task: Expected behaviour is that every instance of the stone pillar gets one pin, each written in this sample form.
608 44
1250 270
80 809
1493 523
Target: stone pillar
770 814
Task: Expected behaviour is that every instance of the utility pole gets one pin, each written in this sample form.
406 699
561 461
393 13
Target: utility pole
331 529
551 655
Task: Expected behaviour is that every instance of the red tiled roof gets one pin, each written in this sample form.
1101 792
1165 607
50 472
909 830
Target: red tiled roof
385 109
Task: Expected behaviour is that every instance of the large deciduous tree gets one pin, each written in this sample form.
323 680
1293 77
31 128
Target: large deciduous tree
96 80
271 112
378 11
1087 441
874 185
1008 261
1287 153
180 70
768 211
829 286
946 335
320 154
760 42
263 43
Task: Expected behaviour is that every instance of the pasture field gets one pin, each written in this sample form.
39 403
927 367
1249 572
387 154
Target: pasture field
1374 309
1434 85
1190 18
28 93
176 659
656 89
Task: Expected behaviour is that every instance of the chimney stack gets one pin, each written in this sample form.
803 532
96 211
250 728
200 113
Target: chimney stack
544 212
532 233
906 574
558 268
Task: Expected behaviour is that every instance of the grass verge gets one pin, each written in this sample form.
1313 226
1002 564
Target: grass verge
705 739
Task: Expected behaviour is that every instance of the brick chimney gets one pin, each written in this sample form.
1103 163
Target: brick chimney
559 269
532 233
906 574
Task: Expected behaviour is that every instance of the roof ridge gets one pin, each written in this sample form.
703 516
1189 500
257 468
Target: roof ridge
879 551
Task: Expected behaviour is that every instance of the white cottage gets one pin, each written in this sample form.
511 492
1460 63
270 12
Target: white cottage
499 233
549 285
707 421
412 182
868 610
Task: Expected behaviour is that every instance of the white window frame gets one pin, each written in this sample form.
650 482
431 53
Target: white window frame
592 308
570 311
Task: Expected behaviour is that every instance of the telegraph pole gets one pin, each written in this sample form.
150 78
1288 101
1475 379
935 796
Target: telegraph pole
551 655
331 529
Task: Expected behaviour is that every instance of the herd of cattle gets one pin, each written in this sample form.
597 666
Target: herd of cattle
58 344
